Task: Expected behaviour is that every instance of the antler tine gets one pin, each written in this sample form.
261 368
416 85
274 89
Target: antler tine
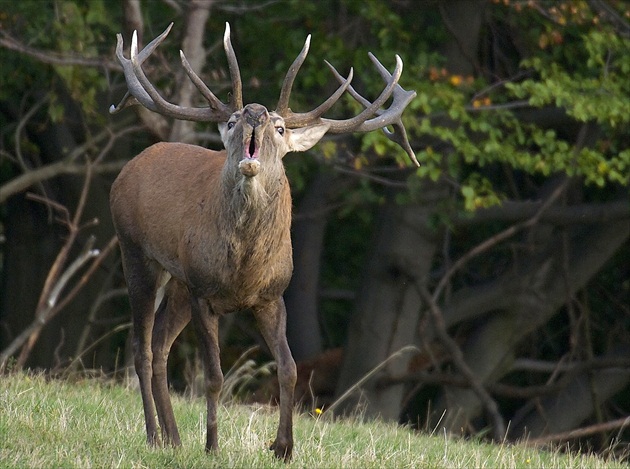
161 105
143 92
137 92
135 88
399 136
354 123
391 116
151 46
235 72
287 84
295 120
215 103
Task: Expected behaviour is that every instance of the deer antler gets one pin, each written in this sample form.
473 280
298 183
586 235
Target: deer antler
141 91
295 120
371 118
391 116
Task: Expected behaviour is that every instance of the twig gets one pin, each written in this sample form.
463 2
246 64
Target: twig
496 239
498 427
383 181
49 303
54 58
367 376
34 176
87 254
113 242
541 366
81 349
73 364
20 127
580 432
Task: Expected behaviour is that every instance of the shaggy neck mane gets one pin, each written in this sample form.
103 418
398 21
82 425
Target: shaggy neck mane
252 203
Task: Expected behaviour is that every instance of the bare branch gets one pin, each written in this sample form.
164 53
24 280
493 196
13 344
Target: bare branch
113 242
557 215
54 58
87 254
20 128
498 427
581 432
67 165
49 303
496 239
23 182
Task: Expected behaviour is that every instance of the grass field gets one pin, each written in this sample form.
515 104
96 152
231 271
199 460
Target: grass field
91 423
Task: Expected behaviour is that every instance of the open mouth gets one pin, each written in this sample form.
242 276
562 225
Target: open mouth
250 165
252 146
252 150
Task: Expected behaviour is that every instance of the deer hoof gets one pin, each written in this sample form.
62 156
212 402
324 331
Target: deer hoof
282 451
249 167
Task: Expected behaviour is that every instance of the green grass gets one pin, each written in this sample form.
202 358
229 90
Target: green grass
90 423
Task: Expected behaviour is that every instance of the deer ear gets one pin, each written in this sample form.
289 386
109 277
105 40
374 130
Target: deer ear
304 138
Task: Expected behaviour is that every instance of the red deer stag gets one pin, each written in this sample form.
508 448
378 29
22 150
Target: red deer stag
209 230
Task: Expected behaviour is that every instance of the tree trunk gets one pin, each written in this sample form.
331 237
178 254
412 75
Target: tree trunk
386 311
527 301
192 45
302 296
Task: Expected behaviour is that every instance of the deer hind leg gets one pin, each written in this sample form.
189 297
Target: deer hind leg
142 283
271 321
206 323
171 317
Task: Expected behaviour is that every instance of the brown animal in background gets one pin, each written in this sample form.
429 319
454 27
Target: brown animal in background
315 385
212 227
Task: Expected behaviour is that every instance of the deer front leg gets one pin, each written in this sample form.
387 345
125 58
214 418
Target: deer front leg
206 324
170 319
271 320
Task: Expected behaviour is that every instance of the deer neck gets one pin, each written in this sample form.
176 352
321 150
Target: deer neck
252 202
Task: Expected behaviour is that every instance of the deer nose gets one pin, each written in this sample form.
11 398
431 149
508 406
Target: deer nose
255 114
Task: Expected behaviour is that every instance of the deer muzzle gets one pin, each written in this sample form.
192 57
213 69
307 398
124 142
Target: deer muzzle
256 116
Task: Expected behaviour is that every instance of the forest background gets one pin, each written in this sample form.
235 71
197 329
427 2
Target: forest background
485 292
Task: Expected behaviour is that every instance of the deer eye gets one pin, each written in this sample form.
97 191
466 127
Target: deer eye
280 130
231 125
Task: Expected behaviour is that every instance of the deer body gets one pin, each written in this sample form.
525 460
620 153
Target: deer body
227 238
213 228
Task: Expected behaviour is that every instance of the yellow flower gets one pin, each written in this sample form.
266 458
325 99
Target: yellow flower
318 411
456 80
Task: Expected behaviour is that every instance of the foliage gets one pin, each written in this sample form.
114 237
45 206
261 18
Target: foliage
91 423
79 30
476 121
